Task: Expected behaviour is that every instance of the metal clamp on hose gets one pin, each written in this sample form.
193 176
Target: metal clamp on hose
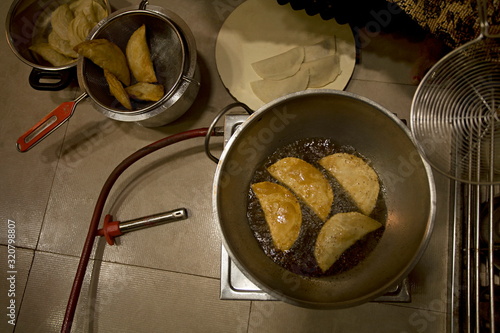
214 122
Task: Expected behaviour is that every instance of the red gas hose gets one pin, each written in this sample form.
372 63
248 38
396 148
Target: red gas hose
96 217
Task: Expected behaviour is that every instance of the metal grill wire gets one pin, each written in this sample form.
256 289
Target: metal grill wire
457 108
480 262
167 50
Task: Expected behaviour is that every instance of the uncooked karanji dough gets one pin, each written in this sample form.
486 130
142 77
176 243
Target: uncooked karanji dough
268 90
358 179
282 213
302 67
339 233
280 66
307 182
324 48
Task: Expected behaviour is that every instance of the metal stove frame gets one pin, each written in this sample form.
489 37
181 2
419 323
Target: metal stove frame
474 276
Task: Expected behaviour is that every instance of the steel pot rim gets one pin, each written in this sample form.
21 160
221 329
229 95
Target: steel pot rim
284 295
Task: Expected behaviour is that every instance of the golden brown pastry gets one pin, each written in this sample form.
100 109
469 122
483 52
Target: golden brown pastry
106 55
48 53
339 233
143 91
117 90
357 178
307 182
78 29
282 213
60 20
139 57
92 9
61 45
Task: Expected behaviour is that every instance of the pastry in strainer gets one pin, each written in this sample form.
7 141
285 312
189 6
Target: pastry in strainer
106 55
139 57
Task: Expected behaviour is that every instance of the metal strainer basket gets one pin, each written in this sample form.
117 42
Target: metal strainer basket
455 114
167 54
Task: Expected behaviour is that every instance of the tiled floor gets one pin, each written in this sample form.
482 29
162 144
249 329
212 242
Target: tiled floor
166 279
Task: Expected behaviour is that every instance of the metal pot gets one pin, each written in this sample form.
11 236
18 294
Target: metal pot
27 19
173 52
348 120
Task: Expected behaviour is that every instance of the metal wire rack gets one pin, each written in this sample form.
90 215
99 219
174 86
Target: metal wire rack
457 108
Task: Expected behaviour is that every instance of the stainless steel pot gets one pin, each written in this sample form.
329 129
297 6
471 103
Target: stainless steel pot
348 120
28 19
174 56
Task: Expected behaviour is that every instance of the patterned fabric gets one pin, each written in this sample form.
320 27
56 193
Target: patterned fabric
453 21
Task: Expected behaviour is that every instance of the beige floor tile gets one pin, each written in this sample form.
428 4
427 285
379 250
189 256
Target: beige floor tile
279 317
121 298
26 178
13 283
155 178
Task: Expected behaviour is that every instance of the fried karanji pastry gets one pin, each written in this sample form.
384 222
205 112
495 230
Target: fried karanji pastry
144 91
307 182
70 25
78 29
117 90
139 56
358 179
48 53
87 14
282 213
61 45
106 55
94 11
60 19
338 234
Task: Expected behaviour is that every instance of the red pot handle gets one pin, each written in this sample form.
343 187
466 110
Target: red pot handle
47 125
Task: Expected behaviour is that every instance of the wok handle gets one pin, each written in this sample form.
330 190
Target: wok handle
47 125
